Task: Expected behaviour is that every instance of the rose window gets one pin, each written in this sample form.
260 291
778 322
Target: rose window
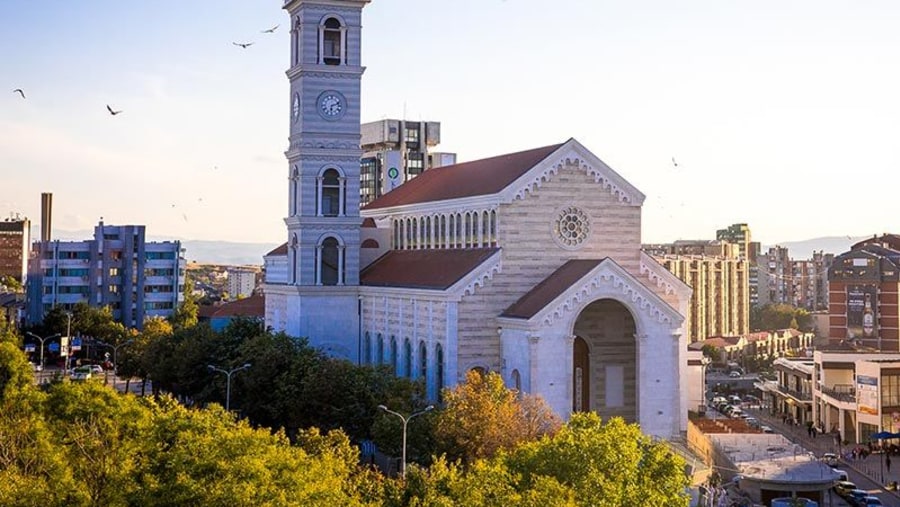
572 227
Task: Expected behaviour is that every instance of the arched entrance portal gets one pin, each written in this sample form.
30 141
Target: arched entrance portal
604 370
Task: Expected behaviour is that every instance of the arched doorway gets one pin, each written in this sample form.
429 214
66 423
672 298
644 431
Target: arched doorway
605 352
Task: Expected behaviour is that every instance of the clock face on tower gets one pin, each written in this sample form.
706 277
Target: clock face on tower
295 108
331 105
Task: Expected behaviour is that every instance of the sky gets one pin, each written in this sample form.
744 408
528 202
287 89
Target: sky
784 115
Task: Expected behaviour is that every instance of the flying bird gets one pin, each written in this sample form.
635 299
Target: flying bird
111 111
675 164
20 92
271 30
244 45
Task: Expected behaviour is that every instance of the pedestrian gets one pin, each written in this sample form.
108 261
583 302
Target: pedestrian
887 463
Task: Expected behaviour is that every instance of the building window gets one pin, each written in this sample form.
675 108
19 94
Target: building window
367 349
330 194
332 36
411 135
439 373
423 362
380 351
394 354
330 262
407 359
517 381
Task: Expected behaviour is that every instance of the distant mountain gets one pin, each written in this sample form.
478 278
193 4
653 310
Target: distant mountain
801 250
225 252
201 251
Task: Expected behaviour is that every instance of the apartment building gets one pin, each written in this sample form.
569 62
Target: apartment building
775 276
117 268
809 282
241 282
15 238
396 151
864 294
719 277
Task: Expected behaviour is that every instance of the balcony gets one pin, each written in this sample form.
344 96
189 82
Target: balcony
841 392
799 396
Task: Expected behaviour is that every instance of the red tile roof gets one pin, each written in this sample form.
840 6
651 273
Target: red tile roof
550 288
479 177
253 306
423 269
279 250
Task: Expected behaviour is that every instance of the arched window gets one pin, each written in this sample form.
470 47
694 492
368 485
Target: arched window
380 351
330 262
294 259
292 199
332 42
479 370
367 349
407 359
295 42
439 372
394 354
330 201
423 362
517 381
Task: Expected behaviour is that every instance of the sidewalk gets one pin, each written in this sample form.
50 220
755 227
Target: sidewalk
871 467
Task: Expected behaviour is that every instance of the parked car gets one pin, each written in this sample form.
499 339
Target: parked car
842 475
869 501
81 373
766 429
96 369
855 496
830 459
734 374
842 488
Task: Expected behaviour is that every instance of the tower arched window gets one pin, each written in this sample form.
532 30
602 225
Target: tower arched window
331 194
294 259
330 265
331 42
295 183
295 41
407 359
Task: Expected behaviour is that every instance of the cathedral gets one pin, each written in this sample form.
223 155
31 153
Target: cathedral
528 264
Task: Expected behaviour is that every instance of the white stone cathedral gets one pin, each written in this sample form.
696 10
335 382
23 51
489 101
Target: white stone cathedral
528 264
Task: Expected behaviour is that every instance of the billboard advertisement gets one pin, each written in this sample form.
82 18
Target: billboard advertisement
861 311
393 170
867 394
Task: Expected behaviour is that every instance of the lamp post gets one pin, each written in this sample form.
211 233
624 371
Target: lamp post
228 374
42 340
405 422
68 339
116 354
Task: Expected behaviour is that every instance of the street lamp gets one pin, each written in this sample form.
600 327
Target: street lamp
42 348
405 422
116 354
228 374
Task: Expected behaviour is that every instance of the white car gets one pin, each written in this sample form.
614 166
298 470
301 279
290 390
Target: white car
96 369
766 429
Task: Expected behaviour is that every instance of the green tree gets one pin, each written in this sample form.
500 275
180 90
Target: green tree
185 315
10 284
610 464
481 416
780 316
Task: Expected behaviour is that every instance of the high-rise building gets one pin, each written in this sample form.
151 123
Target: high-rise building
719 276
15 238
863 287
241 282
738 234
396 151
809 282
775 276
117 268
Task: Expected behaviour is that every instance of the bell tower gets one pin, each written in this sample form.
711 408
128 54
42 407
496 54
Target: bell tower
323 222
